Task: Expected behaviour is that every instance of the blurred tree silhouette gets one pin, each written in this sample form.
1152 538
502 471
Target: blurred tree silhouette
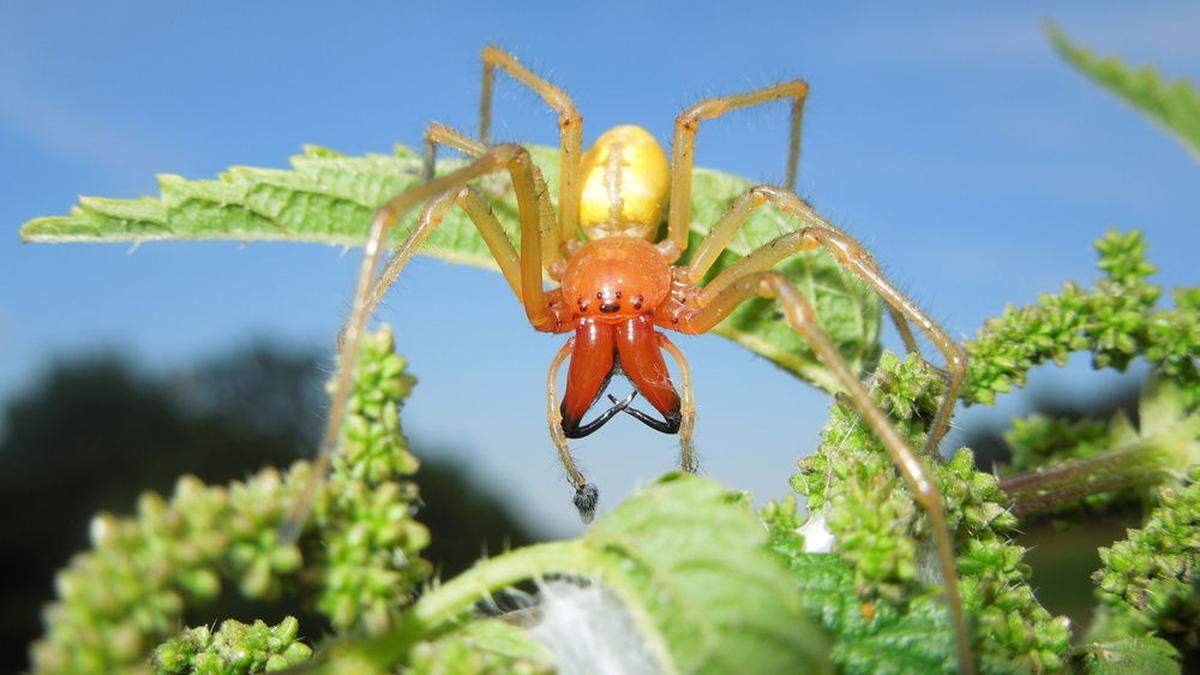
94 432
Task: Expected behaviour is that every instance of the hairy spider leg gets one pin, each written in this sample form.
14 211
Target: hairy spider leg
480 214
724 230
586 494
752 283
511 158
850 254
570 130
683 152
552 252
687 406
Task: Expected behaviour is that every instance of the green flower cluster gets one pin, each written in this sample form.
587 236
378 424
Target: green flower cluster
852 482
234 648
880 531
117 600
1116 320
1174 342
371 543
1150 581
1013 632
129 591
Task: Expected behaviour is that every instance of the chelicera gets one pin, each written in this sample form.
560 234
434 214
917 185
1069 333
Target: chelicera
619 290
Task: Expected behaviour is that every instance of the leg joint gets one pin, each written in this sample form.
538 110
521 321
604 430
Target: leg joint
798 89
507 154
491 53
770 283
689 119
569 117
762 192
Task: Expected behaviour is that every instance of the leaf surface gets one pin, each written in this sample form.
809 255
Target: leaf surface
1173 105
687 561
328 198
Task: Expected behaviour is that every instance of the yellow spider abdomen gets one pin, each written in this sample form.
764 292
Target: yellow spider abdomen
626 182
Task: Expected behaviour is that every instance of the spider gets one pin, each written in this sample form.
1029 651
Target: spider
619 288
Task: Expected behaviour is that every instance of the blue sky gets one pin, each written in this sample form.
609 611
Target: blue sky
953 142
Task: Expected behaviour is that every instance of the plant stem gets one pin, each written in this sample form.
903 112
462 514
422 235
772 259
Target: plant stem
447 602
440 606
1144 463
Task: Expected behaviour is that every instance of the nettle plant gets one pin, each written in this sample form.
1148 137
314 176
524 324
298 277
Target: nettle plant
684 576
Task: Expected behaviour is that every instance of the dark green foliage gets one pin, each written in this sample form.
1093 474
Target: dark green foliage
881 533
869 637
1150 581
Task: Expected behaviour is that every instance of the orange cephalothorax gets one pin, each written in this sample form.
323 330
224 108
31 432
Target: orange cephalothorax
615 279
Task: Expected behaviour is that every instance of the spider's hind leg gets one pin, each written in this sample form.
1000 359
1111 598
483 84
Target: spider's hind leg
814 233
802 318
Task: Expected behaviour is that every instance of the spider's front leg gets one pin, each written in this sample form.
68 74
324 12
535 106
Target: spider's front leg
570 129
437 134
800 315
511 158
683 156
683 152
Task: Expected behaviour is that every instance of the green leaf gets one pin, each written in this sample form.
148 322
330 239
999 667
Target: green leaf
693 566
871 637
688 562
484 646
328 197
1132 656
1175 106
